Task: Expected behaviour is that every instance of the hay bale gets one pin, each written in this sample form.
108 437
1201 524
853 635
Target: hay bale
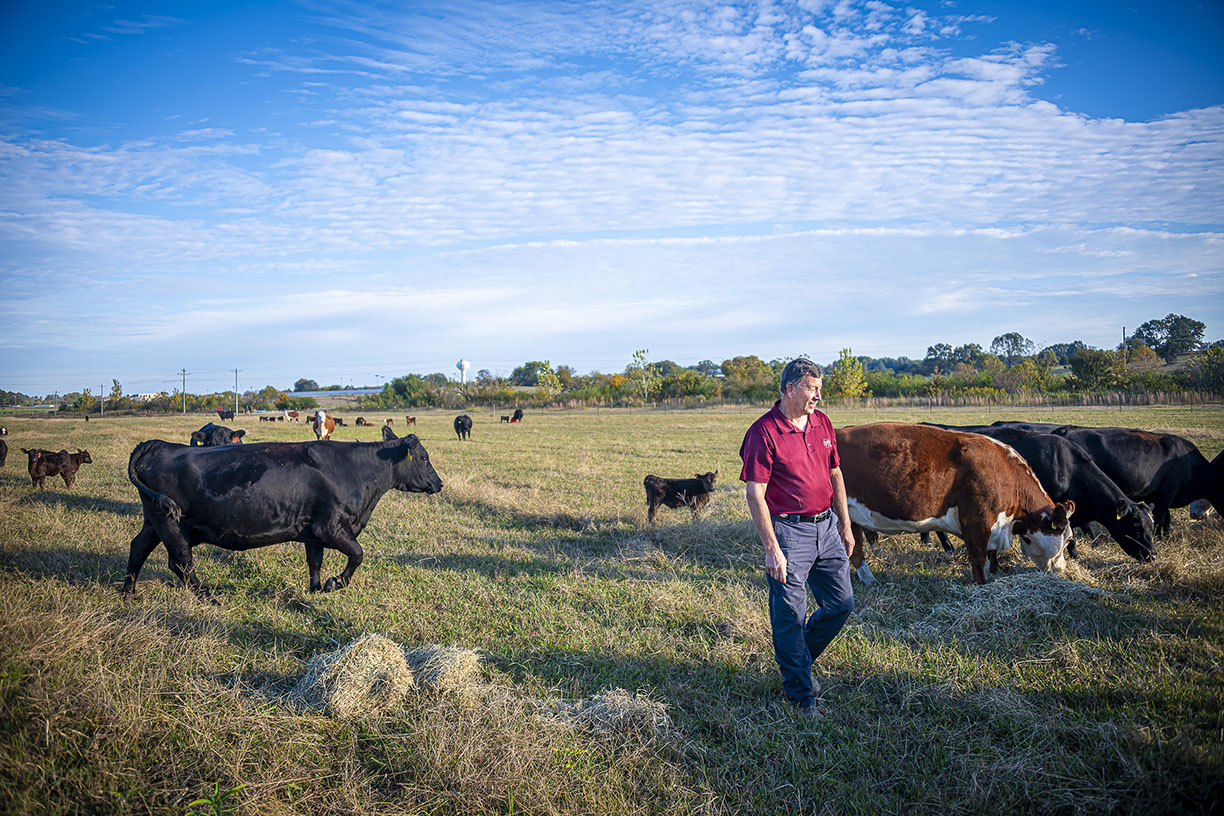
1007 602
619 714
440 668
363 680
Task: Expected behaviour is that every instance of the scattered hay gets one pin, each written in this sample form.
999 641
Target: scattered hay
1006 602
445 668
619 714
365 679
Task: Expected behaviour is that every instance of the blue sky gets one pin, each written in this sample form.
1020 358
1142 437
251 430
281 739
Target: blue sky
337 190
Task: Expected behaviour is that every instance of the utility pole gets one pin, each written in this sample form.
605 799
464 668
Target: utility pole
184 374
235 392
101 401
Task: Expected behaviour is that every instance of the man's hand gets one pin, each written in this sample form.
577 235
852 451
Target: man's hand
775 564
847 536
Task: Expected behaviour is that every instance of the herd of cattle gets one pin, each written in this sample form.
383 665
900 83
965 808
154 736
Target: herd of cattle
986 484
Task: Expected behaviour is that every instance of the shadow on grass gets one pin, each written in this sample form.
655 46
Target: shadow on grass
81 501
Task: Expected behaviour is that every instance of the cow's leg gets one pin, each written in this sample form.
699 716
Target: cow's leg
993 555
857 558
344 541
182 564
651 508
143 544
943 540
69 478
975 547
1162 519
314 562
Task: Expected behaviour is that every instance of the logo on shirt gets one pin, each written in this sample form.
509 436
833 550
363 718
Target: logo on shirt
828 444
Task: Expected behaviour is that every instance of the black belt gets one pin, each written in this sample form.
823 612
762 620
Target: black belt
801 517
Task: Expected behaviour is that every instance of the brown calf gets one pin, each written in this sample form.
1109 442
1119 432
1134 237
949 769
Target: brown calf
691 493
44 463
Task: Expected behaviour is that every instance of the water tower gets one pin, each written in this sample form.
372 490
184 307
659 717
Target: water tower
463 366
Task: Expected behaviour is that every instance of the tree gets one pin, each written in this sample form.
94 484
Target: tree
567 376
1063 352
707 367
1206 372
305 385
1141 358
848 377
547 381
116 391
970 354
83 401
527 374
748 377
1173 335
938 357
1011 347
643 374
484 376
1093 368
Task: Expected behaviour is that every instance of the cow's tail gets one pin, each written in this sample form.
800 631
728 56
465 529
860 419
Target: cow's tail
161 501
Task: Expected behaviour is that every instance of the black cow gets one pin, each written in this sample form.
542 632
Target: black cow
225 413
3 452
1027 427
211 436
1067 471
44 463
1164 470
505 418
518 415
242 497
463 426
691 493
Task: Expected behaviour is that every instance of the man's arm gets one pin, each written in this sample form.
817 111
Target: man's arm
775 561
842 509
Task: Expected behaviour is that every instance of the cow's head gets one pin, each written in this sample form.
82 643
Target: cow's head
410 467
707 480
1135 530
1044 535
84 456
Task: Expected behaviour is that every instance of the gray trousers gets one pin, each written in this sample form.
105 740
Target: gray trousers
815 560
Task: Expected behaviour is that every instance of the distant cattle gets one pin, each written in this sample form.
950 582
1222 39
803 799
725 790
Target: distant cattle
322 425
44 463
3 452
505 418
293 415
239 498
211 436
339 421
267 418
1163 470
361 422
911 478
389 421
463 426
691 493
225 413
3 431
518 415
410 420
1068 472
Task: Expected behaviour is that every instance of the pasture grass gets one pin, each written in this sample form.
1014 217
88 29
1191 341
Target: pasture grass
607 668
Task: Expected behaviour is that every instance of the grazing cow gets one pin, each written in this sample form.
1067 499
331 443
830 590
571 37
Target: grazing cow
518 415
3 431
211 436
280 418
361 422
389 421
225 413
339 421
691 493
463 426
911 478
505 418
1163 470
1066 471
267 418
322 425
44 463
239 498
293 415
410 421
3 452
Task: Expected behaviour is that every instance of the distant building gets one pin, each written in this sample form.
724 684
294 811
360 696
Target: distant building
144 397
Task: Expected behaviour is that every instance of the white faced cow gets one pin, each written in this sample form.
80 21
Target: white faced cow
911 478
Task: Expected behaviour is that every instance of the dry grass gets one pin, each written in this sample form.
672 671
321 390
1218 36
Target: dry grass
544 597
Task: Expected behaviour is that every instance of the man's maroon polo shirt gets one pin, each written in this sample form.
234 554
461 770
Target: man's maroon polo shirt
794 465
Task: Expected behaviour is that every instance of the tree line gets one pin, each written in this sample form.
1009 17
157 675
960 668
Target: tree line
1011 368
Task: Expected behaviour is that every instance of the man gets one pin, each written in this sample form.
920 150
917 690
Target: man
797 500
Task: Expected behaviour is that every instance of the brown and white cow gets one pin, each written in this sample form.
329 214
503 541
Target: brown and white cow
913 478
322 425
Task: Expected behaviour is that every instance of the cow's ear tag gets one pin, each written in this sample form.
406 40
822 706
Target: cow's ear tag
1119 517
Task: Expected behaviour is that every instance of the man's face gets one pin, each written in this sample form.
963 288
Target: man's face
805 393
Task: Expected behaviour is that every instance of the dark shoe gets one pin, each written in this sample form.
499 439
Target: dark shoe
808 711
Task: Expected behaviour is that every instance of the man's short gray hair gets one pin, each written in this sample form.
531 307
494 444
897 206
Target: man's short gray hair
797 369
